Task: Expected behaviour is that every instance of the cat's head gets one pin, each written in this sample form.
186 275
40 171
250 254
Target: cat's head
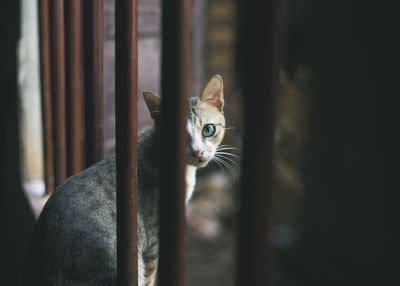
205 124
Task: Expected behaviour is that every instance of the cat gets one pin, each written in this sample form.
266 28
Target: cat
74 240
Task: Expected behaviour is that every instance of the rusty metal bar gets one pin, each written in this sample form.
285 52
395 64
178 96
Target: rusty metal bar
93 60
47 121
58 88
260 41
126 99
175 87
73 89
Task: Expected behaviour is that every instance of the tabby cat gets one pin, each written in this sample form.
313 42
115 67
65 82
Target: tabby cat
74 240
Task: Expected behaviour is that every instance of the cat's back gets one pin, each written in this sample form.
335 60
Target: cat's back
75 229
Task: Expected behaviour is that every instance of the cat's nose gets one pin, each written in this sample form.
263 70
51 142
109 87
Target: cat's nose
197 153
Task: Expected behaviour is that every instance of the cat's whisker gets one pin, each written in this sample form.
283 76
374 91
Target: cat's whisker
229 168
219 166
227 148
233 152
230 128
229 159
234 166
226 153
216 161
208 165
232 170
233 160
223 164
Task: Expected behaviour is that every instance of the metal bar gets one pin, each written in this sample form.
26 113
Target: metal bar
47 121
175 89
93 59
73 56
260 43
58 87
126 99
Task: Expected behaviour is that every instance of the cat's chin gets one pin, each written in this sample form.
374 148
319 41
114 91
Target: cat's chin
201 164
198 163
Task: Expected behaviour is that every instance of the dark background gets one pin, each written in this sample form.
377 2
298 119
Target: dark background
351 158
16 218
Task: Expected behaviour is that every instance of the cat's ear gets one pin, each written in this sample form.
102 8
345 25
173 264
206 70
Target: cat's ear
213 93
153 102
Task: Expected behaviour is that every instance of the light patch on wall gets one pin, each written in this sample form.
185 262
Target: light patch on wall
30 102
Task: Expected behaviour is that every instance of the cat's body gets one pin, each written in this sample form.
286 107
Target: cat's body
85 205
74 241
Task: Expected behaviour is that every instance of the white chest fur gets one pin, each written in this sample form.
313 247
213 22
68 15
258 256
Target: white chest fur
190 181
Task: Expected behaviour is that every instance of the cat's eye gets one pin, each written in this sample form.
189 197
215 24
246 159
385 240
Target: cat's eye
208 130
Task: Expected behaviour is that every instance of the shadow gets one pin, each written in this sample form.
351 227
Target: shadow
16 217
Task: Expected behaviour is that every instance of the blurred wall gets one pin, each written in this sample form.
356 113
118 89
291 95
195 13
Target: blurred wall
29 87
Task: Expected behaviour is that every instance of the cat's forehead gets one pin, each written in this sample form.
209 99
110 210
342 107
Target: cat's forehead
202 113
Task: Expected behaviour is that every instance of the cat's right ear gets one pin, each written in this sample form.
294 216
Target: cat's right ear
213 93
153 102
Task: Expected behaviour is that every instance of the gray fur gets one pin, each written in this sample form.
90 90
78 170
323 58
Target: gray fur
74 240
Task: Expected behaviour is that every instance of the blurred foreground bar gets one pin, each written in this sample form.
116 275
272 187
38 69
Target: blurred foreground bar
73 89
175 88
126 99
93 59
47 120
58 88
258 43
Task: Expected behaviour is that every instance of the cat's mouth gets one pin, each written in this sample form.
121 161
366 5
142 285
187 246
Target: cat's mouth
197 162
201 163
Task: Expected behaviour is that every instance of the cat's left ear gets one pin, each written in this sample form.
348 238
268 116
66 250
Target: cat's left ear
153 102
213 93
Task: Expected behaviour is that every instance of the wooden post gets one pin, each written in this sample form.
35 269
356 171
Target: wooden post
175 88
47 119
259 47
93 59
126 99
73 66
58 88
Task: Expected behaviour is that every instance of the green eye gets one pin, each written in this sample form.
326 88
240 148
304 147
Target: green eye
208 130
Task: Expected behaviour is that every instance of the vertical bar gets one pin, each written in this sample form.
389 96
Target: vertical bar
126 83
260 43
58 87
175 88
47 120
73 88
93 10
